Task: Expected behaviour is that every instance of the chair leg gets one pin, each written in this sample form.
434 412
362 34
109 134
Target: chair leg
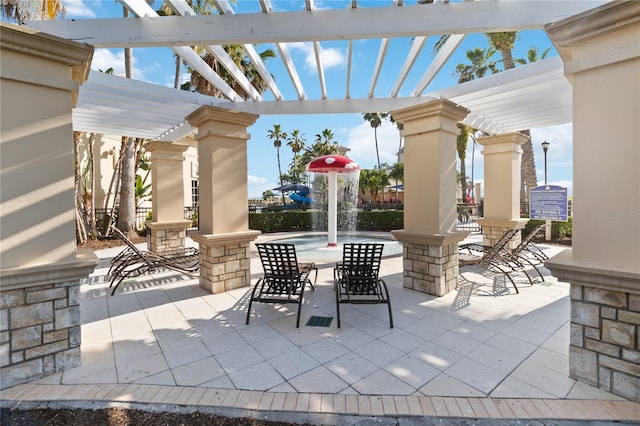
386 291
300 300
513 283
336 287
253 292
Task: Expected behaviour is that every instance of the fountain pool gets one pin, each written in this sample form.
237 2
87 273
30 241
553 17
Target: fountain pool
314 247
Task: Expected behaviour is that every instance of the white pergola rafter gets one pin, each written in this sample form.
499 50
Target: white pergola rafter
320 25
181 7
529 96
141 8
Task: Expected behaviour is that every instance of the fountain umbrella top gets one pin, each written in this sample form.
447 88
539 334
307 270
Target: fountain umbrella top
333 163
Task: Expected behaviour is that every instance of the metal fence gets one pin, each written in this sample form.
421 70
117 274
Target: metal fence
142 215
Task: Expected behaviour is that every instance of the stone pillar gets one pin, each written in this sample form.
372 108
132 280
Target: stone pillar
501 187
168 228
40 267
429 240
224 234
601 50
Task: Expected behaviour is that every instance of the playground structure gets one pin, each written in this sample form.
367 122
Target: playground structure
297 192
302 196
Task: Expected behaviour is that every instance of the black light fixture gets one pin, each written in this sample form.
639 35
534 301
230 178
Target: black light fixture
545 147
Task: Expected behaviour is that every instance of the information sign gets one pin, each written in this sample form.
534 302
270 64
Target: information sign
548 202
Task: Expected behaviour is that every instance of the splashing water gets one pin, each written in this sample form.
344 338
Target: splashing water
347 201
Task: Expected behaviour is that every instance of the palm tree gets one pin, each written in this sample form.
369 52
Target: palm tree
297 143
375 120
397 174
533 56
28 10
365 182
278 136
236 52
480 64
318 149
504 43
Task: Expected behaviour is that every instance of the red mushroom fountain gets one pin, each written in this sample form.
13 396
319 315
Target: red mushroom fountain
332 165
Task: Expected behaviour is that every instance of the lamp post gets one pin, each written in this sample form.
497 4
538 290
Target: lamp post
547 228
545 147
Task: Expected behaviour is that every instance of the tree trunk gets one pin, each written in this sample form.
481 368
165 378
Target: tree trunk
284 201
91 200
80 231
127 208
463 181
176 81
528 167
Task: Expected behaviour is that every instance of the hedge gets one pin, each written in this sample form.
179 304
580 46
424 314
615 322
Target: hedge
558 229
303 221
383 220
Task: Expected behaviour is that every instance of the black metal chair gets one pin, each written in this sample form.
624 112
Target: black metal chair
356 278
133 262
284 280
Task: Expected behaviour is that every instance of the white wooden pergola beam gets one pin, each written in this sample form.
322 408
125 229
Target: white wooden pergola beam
140 8
382 52
266 7
438 62
181 7
224 7
319 25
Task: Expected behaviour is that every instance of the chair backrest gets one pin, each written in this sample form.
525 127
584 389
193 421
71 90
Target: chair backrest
127 241
361 260
499 247
528 239
278 259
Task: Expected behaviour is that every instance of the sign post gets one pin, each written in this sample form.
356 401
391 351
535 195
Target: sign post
548 202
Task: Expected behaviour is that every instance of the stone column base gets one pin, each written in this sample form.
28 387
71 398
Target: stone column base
430 262
493 230
224 260
40 319
604 348
165 236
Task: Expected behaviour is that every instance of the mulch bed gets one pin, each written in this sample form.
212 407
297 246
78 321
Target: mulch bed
120 417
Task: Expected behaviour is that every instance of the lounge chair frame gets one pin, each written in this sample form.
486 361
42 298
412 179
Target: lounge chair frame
356 278
284 278
133 262
498 259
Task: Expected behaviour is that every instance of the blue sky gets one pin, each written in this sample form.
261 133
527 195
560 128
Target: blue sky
156 65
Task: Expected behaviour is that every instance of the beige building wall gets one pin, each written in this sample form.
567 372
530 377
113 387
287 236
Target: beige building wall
106 153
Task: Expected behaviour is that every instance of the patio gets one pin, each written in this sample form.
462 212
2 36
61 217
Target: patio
164 339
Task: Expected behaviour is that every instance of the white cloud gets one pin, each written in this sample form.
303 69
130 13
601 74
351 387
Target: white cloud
361 141
257 185
103 59
330 57
77 9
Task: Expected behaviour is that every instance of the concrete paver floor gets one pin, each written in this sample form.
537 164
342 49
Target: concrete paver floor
478 352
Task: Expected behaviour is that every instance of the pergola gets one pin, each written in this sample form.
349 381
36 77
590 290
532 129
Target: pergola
595 84
535 95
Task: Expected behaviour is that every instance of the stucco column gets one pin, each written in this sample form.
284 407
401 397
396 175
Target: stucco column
601 50
430 242
224 234
502 157
168 228
40 267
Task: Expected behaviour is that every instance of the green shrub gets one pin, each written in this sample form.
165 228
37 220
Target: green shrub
558 229
284 221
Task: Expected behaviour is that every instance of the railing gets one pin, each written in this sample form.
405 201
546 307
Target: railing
142 215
